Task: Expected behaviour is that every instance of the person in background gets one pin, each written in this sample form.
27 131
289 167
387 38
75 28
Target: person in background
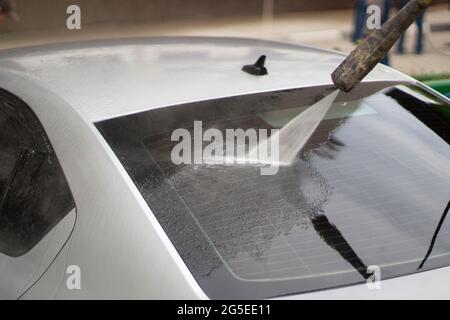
361 15
419 24
387 5
7 11
385 11
360 19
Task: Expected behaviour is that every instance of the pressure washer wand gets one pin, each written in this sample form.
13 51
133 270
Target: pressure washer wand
375 46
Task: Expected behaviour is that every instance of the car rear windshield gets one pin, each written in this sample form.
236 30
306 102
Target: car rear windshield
367 189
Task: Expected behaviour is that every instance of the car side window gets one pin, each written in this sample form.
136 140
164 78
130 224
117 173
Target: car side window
34 194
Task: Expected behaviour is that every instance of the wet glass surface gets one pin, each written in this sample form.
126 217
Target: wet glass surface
369 188
34 195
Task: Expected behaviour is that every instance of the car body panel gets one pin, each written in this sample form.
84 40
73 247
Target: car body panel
106 79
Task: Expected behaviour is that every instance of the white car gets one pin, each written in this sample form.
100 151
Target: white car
92 204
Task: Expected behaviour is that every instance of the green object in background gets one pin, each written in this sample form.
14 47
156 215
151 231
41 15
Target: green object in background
438 81
442 86
432 76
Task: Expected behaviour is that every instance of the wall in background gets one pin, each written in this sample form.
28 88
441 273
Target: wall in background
50 14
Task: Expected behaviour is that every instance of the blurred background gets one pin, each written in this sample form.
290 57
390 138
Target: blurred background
324 23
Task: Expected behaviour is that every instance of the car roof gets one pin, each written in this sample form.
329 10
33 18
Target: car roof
104 79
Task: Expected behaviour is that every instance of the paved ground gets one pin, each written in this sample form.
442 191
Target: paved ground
323 29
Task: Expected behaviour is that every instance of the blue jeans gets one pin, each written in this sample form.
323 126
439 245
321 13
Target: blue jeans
386 10
384 18
359 19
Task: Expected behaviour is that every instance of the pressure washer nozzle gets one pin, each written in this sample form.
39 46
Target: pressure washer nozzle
375 46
